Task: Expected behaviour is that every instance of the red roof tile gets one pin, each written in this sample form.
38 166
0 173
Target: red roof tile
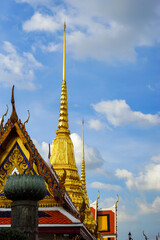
45 217
54 217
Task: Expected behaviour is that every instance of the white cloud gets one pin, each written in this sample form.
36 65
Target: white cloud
149 179
31 60
96 124
17 69
156 158
124 216
105 186
106 202
35 3
104 30
93 158
43 149
146 208
118 113
123 173
102 171
51 47
41 22
150 87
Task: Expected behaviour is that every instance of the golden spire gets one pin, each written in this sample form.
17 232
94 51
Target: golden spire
64 54
63 114
62 155
83 174
89 221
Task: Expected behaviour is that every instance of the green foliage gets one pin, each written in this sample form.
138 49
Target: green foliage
12 234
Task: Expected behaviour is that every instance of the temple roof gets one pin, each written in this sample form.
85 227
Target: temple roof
15 141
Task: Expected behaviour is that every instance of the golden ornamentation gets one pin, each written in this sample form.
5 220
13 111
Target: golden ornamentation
15 160
82 211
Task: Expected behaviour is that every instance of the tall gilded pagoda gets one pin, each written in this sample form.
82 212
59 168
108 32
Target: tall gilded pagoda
63 160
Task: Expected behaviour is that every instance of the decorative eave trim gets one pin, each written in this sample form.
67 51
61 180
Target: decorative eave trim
58 225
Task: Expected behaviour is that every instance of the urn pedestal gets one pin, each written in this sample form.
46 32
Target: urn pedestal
25 191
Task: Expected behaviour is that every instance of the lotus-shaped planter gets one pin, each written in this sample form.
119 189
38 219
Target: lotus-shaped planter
25 187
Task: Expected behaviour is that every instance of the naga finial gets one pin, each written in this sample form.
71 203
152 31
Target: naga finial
27 118
98 198
2 120
13 117
117 200
49 151
98 195
146 238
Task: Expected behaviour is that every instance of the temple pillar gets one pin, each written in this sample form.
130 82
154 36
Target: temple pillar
24 217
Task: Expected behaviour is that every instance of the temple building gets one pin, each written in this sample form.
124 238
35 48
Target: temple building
65 211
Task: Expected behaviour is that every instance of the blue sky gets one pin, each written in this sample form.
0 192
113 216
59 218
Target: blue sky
113 82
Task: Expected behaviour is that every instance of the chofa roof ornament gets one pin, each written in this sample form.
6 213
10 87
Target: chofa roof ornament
2 119
13 117
27 118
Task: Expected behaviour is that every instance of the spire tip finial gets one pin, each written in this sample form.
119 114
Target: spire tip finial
63 115
12 98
